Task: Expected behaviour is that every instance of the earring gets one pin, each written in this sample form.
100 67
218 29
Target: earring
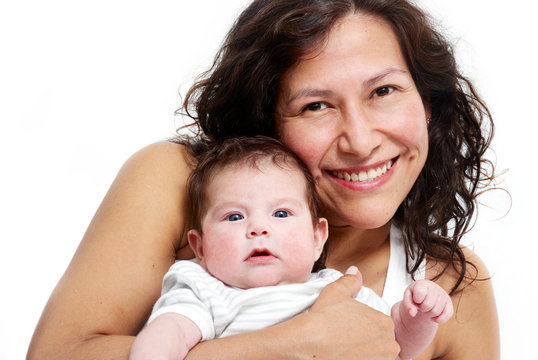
428 121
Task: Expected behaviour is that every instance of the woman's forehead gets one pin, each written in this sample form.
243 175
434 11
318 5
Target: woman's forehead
362 45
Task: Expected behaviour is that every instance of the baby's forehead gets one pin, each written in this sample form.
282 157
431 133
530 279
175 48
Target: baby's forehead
280 175
265 164
265 184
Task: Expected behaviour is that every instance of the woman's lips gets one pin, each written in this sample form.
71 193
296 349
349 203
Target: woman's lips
367 178
367 174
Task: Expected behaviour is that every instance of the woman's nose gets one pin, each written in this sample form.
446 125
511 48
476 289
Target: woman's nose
358 134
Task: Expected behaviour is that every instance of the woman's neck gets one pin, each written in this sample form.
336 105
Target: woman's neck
369 250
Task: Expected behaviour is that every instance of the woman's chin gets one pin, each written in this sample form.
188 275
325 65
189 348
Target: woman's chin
370 219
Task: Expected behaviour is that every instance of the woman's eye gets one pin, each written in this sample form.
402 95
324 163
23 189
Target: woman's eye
317 106
281 214
384 91
235 217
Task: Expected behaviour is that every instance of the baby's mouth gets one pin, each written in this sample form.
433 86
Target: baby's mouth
365 175
259 253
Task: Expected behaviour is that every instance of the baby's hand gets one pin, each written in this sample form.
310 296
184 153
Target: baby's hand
428 299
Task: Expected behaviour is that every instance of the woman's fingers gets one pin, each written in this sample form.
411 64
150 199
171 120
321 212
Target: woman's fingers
348 329
345 288
354 271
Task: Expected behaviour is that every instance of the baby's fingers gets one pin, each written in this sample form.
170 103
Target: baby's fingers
430 302
419 291
409 304
446 312
425 295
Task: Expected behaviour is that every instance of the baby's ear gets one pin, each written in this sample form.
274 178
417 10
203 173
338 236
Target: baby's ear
195 241
321 233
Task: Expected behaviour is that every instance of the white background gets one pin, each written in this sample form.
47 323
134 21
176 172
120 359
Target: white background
83 85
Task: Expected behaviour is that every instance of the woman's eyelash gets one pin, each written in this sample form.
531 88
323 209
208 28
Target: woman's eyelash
384 90
378 92
315 106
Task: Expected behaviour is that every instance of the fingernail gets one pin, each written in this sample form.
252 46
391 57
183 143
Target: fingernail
352 270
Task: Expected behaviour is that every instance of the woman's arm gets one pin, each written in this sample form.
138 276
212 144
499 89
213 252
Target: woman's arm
115 276
473 331
169 336
337 327
110 286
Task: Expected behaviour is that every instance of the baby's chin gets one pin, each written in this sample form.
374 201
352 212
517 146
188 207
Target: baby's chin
264 281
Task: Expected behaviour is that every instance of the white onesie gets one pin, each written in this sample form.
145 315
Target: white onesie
220 310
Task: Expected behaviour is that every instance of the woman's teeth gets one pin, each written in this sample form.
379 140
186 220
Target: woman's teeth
364 175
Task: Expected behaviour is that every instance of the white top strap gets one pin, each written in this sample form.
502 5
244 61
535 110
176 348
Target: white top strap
397 277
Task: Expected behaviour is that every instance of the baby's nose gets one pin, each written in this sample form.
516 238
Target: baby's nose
258 229
258 232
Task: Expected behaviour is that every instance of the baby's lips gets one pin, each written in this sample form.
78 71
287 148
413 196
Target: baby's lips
260 252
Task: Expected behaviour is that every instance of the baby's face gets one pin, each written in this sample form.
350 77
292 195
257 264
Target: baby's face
258 228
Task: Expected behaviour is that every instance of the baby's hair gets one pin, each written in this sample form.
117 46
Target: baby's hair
243 151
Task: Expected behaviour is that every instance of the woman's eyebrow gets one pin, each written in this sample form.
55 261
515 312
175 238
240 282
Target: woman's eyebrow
309 92
377 78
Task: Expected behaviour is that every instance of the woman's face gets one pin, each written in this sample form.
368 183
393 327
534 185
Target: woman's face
353 114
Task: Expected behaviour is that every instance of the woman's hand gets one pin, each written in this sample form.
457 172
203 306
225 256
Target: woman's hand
337 327
347 328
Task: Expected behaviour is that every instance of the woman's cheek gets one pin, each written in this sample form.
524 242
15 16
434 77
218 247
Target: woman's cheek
412 134
411 125
308 145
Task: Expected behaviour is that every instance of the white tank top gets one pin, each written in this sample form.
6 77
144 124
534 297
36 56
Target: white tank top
398 279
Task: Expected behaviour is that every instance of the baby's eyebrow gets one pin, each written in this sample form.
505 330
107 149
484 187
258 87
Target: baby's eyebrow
287 202
222 206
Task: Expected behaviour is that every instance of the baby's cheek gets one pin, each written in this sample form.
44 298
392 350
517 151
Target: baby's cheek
301 255
220 259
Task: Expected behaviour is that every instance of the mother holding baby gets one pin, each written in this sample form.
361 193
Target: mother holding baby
367 93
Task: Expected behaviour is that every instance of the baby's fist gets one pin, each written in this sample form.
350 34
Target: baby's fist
428 299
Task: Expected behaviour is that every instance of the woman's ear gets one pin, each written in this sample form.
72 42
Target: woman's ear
195 241
427 108
321 233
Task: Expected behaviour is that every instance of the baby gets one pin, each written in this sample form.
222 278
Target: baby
257 235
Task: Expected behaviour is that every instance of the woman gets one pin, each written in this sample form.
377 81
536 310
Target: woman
369 96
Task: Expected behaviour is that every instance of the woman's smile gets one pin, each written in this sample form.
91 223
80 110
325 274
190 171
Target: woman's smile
364 174
364 178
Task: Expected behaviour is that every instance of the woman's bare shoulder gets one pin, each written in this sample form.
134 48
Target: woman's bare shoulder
116 273
165 156
157 175
473 331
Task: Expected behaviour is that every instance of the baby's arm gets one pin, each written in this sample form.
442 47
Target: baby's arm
169 336
424 306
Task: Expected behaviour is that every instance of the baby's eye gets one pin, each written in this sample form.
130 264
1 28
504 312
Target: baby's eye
235 217
384 91
316 106
281 214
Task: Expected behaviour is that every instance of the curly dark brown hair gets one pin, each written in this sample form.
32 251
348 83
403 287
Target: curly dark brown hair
237 97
